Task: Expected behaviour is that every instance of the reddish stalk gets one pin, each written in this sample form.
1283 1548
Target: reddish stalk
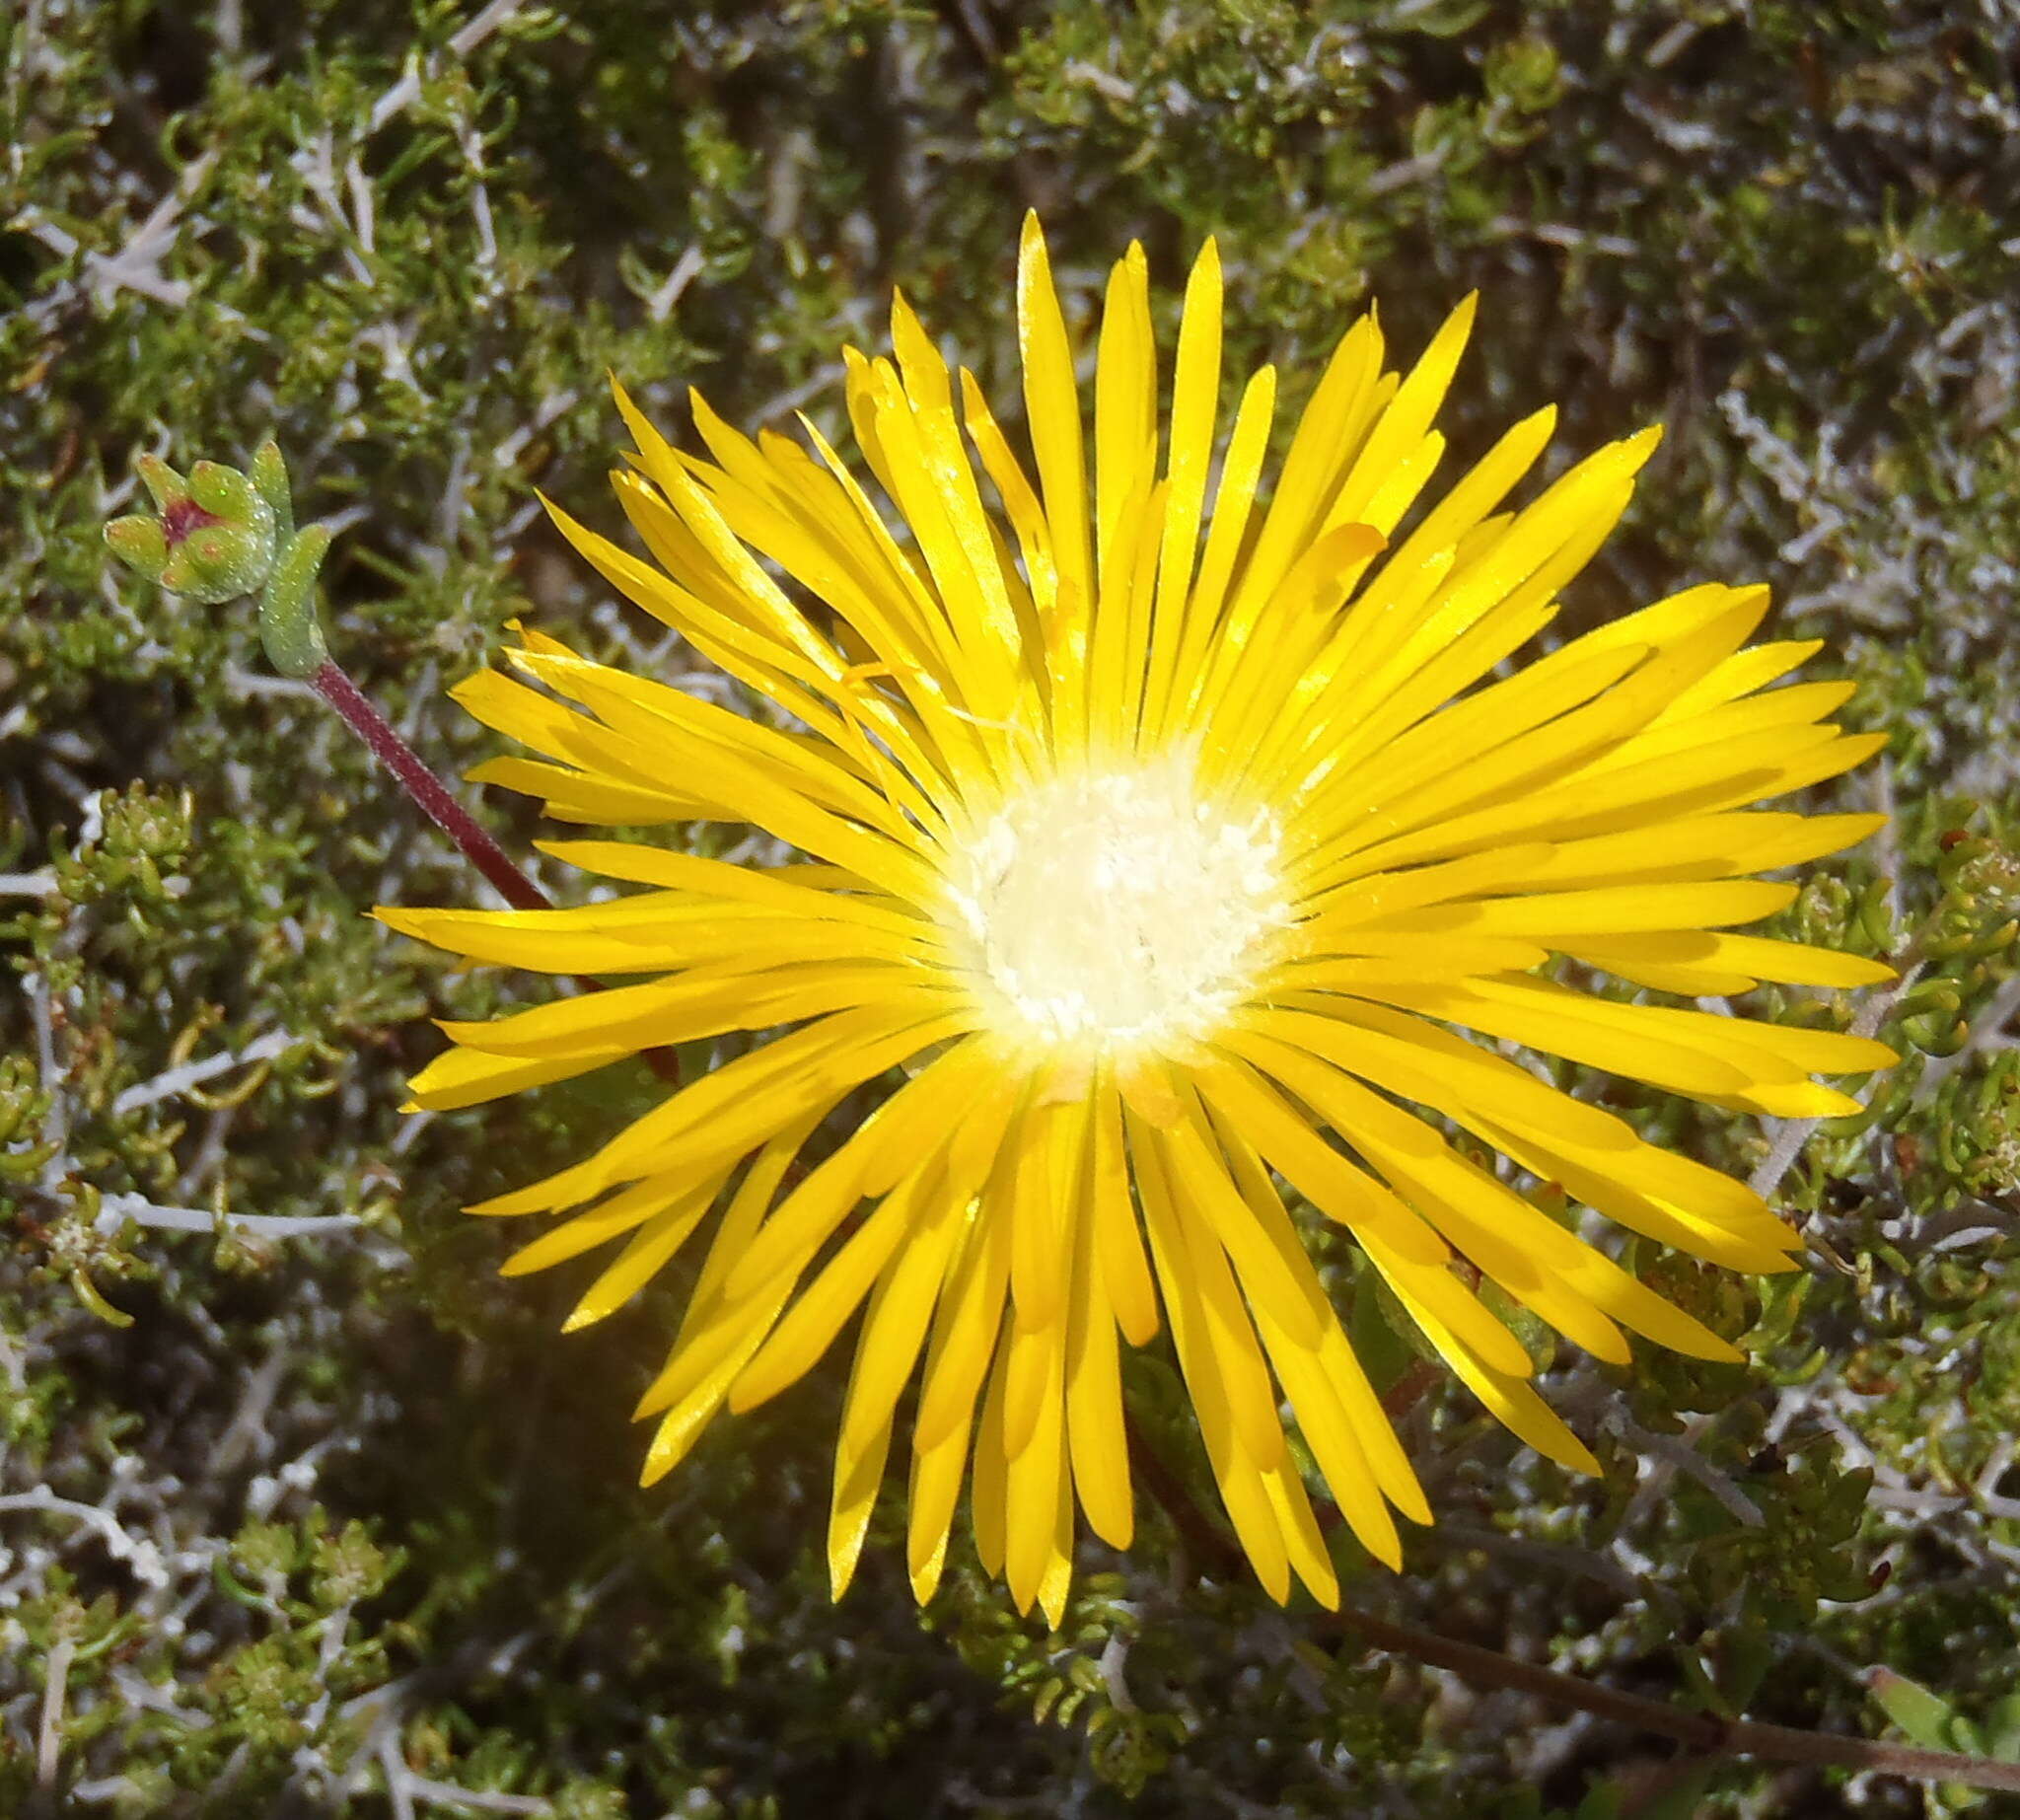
428 792
433 798
1704 1732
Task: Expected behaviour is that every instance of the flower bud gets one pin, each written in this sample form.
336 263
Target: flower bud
216 536
219 562
222 533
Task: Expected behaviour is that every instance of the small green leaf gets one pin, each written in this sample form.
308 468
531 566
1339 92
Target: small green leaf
1925 1717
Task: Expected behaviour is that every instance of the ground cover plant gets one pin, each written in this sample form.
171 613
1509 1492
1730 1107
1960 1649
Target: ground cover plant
305 1510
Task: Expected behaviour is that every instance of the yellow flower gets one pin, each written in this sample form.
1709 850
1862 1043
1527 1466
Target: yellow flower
1151 855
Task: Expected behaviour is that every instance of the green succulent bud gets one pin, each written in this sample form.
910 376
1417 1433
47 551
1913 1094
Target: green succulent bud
233 497
222 533
218 562
270 475
165 485
217 534
1875 916
288 625
1938 1038
141 544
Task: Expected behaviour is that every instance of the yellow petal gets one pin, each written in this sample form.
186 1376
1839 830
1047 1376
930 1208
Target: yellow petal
1303 1542
621 1214
1195 398
1641 956
644 1255
1053 408
1036 1469
858 1473
1125 1275
1099 1445
818 1315
467 1077
1124 404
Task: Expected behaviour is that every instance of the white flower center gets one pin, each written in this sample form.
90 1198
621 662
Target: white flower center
1115 909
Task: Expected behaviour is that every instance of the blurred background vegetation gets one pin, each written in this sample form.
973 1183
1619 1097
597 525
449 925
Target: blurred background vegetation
330 1520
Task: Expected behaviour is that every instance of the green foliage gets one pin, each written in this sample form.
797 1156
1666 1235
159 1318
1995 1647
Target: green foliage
335 1523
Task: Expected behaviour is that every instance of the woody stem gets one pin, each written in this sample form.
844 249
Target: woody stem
1703 1732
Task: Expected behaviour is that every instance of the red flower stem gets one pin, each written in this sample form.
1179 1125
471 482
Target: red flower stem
430 795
